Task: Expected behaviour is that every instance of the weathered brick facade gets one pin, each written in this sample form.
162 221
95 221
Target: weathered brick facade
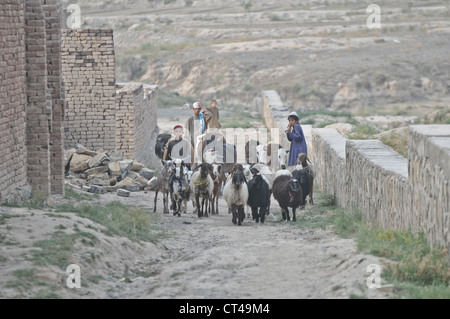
13 153
89 78
100 114
32 100
56 90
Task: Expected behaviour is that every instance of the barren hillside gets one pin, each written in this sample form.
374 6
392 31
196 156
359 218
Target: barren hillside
317 54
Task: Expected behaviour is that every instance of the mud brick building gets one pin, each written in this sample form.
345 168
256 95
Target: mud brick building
57 90
101 114
32 98
89 77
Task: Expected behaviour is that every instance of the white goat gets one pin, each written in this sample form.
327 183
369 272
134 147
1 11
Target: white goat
235 194
273 155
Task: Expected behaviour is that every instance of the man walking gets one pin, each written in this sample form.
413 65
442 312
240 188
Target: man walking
198 123
214 123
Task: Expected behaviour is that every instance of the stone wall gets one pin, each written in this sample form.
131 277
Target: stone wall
89 76
146 129
136 119
275 115
377 184
32 99
329 158
391 192
429 174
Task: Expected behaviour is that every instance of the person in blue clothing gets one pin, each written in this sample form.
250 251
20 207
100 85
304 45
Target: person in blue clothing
295 135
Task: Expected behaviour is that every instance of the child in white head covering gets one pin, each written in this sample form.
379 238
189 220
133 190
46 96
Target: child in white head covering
296 137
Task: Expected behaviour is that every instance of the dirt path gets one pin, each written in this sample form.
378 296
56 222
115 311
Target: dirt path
198 258
212 258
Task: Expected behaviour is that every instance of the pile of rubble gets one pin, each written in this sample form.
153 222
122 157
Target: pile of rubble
100 172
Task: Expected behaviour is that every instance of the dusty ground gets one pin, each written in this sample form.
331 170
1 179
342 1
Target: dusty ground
198 258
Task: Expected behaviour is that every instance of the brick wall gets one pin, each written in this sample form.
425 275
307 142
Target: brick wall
88 66
99 113
39 101
55 88
32 99
13 153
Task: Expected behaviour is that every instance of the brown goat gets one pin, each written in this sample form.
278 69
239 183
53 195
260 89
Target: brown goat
202 186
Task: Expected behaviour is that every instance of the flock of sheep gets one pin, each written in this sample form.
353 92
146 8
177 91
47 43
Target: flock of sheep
243 186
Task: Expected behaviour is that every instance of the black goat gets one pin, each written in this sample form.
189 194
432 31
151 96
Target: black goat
288 192
303 160
304 179
259 197
161 142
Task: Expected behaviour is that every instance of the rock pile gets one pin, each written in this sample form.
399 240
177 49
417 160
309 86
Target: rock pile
100 172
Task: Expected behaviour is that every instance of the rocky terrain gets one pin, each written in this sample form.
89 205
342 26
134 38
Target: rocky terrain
316 54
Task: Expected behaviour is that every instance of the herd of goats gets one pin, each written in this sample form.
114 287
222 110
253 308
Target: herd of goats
242 185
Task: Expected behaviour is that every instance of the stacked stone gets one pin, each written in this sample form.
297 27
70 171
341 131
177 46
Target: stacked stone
392 192
330 163
101 172
429 172
378 184
13 153
89 78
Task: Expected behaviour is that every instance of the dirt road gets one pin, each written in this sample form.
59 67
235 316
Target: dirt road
197 258
212 258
